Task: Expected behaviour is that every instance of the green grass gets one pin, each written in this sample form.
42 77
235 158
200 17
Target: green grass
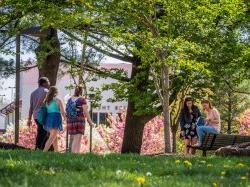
26 168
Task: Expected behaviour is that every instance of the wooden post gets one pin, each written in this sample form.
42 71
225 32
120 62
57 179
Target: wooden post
17 113
90 129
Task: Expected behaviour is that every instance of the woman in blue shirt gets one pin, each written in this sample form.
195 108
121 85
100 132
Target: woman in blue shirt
53 123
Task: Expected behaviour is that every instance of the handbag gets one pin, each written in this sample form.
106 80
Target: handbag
42 115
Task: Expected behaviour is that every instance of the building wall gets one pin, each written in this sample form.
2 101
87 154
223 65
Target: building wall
29 84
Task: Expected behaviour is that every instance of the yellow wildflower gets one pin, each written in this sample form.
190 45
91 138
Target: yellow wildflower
177 162
187 163
141 180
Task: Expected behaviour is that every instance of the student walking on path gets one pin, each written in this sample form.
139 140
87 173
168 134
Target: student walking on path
76 111
188 118
36 100
53 122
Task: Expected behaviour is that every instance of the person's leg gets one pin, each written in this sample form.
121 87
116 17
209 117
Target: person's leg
38 135
202 130
74 143
52 137
79 139
187 142
55 144
193 142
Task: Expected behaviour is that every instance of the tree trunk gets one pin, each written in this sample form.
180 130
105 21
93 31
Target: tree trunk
166 107
230 111
48 56
174 144
133 133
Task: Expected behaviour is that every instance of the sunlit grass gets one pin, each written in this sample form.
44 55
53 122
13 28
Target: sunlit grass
25 168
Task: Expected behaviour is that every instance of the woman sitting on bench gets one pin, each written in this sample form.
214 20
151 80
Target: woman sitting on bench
212 123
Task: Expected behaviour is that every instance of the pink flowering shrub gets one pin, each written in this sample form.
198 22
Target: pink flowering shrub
26 135
244 120
153 141
27 138
105 138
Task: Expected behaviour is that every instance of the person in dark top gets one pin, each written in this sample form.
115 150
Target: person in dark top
36 100
188 118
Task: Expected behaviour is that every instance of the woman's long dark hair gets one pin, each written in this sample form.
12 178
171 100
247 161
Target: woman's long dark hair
51 94
186 110
78 91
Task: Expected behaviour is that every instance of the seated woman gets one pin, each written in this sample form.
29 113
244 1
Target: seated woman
212 122
188 117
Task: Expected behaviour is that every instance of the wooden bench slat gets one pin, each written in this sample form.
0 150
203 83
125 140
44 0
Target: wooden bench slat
216 141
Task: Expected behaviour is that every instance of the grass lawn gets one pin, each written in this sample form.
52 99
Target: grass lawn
26 168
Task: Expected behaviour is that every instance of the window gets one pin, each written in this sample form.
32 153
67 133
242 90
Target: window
103 107
116 107
95 117
102 118
108 107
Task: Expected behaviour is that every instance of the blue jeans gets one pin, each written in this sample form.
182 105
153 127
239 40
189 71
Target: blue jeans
202 130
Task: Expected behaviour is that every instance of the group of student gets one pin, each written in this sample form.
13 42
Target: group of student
194 125
74 116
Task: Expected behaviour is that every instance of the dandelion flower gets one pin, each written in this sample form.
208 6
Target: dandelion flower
148 174
223 173
141 180
177 162
187 163
210 165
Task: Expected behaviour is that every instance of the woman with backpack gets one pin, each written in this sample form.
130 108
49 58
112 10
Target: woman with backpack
188 119
76 111
53 122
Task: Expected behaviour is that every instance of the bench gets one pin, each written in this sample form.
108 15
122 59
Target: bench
215 141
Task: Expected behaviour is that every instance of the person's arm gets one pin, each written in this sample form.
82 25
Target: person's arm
61 106
216 119
86 112
30 111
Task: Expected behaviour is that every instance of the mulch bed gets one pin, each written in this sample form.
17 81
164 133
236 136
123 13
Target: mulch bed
10 146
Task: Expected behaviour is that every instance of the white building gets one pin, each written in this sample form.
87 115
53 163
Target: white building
29 83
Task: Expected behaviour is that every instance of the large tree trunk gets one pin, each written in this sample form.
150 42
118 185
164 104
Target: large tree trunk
48 56
133 133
